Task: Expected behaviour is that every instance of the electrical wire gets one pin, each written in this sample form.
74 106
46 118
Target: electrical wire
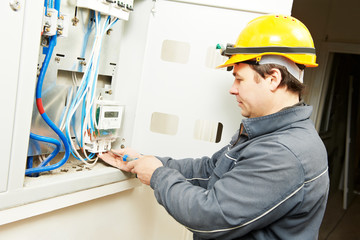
48 140
86 37
84 96
43 167
44 162
84 99
41 110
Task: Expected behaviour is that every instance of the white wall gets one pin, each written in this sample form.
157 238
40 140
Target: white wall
132 215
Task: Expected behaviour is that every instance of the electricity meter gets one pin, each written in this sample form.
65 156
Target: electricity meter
108 117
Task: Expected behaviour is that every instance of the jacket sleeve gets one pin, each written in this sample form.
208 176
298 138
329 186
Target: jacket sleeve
193 169
263 186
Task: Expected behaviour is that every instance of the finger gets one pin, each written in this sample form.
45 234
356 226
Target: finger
108 158
118 151
131 164
114 160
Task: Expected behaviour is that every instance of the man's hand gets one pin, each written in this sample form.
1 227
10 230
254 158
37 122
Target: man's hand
117 161
143 166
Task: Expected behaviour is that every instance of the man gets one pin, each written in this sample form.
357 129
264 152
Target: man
271 180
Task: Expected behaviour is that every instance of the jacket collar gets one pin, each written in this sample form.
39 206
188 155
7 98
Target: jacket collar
254 127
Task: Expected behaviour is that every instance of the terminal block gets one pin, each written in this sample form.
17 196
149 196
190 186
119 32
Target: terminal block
115 8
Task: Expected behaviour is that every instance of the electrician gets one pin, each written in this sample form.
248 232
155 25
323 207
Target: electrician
271 180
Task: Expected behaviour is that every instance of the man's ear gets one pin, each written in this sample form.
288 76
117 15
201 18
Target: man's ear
275 78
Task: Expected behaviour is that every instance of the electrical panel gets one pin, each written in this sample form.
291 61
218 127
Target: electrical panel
75 112
111 74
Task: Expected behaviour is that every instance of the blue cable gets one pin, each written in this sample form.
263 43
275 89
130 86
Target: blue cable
49 158
48 140
52 43
72 153
46 6
29 162
66 145
57 6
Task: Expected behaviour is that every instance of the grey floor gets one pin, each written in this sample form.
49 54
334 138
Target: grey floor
340 224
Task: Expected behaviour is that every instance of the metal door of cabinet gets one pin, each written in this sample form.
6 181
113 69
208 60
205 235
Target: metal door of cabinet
11 18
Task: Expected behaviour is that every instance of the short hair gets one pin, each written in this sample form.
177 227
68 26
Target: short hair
287 80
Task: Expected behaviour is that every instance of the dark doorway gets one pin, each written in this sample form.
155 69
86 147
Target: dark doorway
340 125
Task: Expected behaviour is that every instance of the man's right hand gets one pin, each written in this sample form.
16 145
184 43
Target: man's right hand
117 161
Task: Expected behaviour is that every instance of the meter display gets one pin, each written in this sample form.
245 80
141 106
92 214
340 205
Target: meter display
111 114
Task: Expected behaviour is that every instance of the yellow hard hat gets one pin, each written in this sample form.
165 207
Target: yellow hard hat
273 35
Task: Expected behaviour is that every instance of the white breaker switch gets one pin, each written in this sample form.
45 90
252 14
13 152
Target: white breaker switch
108 7
108 118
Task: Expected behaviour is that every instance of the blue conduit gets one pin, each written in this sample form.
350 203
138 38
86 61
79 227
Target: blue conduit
42 167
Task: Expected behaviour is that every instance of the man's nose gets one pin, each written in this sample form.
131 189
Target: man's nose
234 89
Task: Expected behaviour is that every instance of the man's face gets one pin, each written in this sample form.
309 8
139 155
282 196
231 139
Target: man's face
251 91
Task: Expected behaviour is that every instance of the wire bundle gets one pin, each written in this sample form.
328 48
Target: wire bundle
86 93
84 97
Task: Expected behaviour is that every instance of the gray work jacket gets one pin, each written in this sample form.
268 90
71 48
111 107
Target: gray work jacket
269 182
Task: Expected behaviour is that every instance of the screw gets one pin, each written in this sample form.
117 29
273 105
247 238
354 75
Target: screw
57 59
108 31
47 29
122 146
59 32
48 14
83 63
44 42
75 21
